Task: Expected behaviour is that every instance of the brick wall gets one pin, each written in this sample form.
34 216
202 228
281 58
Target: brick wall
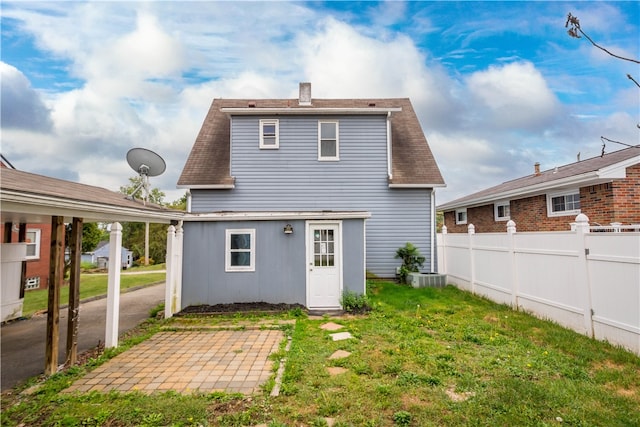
597 202
530 214
482 217
626 197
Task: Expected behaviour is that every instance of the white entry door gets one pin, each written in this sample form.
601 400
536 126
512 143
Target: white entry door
324 259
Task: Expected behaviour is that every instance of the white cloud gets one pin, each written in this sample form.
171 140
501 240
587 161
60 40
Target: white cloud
22 106
341 63
515 95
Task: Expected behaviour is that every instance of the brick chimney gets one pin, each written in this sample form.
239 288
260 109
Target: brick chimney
536 168
305 94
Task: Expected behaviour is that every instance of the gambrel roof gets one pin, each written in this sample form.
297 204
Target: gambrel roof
413 164
592 171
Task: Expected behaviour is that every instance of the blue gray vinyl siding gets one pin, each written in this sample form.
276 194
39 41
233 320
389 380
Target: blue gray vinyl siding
280 263
292 179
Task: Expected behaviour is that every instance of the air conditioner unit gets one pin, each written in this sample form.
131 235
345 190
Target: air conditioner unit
428 280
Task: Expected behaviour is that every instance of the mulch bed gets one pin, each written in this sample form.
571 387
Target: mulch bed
243 307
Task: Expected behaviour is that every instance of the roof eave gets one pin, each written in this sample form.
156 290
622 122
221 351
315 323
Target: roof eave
590 178
275 215
255 111
417 185
34 204
206 186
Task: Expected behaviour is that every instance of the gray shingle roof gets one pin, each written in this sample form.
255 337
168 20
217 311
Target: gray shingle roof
209 161
546 179
24 187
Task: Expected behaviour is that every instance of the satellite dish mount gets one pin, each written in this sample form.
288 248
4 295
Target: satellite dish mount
146 163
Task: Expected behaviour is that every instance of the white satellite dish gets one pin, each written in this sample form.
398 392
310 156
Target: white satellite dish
146 163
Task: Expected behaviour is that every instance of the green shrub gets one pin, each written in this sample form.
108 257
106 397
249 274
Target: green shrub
86 265
411 260
402 418
355 303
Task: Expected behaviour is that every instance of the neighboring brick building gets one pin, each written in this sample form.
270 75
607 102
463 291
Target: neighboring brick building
38 249
38 237
605 188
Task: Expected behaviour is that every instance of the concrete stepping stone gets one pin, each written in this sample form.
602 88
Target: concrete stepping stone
331 326
339 354
336 370
341 336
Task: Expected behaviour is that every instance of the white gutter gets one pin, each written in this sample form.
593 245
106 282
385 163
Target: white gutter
255 111
389 153
433 227
274 216
613 171
417 185
207 186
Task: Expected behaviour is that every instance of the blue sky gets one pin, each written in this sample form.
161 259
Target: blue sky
497 86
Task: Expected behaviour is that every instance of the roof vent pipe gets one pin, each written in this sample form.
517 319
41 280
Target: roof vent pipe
536 168
305 94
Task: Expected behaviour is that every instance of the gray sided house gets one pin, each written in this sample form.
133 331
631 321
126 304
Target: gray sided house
293 200
100 256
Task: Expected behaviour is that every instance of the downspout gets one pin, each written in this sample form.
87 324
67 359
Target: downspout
389 154
188 207
433 227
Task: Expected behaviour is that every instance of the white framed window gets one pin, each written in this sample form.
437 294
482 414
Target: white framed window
328 141
461 216
240 250
502 210
563 203
33 243
32 283
269 134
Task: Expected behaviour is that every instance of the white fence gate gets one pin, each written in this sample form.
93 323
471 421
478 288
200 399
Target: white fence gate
586 281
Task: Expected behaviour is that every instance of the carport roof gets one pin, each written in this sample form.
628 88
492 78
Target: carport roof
31 198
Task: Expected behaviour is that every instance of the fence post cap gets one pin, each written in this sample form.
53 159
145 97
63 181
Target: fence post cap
581 218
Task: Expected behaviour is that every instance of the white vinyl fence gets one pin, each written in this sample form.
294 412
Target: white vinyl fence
583 280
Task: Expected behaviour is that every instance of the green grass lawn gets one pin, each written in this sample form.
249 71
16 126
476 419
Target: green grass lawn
153 267
422 357
90 285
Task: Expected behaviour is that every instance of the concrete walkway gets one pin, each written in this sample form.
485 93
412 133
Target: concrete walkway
189 361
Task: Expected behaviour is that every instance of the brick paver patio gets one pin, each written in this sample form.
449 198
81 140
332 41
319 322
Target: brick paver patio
189 361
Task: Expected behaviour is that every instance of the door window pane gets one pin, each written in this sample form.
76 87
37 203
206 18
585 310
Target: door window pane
323 248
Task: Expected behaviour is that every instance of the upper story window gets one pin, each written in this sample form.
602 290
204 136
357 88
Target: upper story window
461 216
502 210
269 134
33 243
328 141
240 250
564 203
